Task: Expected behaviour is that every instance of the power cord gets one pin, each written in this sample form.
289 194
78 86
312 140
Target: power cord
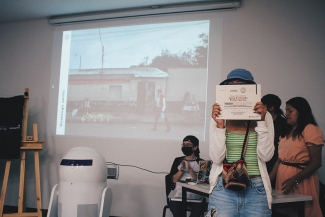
138 168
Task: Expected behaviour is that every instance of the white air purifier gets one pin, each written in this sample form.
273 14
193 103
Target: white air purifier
82 190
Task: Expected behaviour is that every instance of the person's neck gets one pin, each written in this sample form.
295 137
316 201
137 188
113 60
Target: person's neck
274 116
191 157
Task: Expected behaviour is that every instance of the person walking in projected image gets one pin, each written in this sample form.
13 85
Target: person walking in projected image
300 156
225 142
159 111
87 106
273 103
185 167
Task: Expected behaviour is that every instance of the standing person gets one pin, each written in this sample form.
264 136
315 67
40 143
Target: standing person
273 103
226 141
159 110
182 168
87 106
300 155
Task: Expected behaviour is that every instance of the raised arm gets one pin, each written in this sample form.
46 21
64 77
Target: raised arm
265 143
217 136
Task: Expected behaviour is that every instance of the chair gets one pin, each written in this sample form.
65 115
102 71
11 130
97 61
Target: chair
170 185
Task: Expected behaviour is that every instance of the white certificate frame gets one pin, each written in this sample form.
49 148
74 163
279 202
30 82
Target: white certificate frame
237 101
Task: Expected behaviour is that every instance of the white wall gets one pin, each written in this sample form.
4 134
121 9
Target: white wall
280 42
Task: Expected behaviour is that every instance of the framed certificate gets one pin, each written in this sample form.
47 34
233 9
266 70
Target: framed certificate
237 101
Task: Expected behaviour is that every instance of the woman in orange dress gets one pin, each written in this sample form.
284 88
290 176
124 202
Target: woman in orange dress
300 155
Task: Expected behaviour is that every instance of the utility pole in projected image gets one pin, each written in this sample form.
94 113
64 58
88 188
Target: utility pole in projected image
146 59
79 60
100 38
102 58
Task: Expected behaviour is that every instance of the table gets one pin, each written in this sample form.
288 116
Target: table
290 200
279 199
191 113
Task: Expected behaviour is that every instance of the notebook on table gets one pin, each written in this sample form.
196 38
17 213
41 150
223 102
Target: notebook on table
204 172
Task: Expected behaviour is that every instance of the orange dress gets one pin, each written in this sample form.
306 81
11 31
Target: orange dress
297 151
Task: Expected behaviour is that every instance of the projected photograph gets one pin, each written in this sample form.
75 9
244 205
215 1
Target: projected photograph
145 81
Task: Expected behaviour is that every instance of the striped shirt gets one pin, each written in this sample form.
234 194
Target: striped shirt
234 145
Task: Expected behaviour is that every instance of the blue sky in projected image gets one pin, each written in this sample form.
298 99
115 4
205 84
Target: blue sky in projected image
129 45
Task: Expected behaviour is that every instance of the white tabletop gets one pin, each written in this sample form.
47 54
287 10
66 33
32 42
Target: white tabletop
278 197
204 188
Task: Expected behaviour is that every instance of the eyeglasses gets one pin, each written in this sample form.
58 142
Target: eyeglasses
187 145
235 82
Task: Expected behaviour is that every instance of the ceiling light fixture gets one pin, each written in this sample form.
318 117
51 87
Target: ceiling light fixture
146 11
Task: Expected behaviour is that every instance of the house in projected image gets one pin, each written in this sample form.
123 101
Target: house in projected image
115 88
134 89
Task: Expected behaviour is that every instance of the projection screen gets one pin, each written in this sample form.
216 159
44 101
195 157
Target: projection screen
107 77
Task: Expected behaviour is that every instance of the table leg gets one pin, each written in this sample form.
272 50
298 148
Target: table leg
184 198
301 209
300 206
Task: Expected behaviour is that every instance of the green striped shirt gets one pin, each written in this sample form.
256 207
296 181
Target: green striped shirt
234 144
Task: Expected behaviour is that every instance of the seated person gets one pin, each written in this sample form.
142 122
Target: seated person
188 99
186 167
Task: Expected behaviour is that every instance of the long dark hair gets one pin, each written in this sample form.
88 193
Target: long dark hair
273 100
305 117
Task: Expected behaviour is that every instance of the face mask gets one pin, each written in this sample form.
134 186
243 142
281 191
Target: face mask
187 151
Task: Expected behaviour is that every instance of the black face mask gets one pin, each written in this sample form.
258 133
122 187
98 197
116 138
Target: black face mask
187 151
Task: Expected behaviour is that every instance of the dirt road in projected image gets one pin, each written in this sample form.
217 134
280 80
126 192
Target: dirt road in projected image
133 130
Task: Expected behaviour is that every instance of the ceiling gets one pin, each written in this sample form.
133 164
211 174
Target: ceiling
18 10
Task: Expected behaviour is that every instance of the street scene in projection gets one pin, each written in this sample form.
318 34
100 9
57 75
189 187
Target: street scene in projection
135 81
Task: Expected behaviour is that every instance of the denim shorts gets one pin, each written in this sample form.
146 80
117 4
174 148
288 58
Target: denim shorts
250 202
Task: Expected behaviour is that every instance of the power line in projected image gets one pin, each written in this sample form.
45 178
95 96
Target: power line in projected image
153 29
121 33
146 42
138 168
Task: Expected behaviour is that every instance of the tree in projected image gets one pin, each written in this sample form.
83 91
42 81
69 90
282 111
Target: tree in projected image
196 58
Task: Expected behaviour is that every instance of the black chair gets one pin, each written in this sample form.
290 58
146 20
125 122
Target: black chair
170 185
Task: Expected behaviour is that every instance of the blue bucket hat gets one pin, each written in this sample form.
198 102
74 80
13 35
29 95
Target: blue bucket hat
241 74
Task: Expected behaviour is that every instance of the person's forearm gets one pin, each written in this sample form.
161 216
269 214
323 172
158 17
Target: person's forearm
307 172
274 170
315 163
177 176
193 174
217 146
